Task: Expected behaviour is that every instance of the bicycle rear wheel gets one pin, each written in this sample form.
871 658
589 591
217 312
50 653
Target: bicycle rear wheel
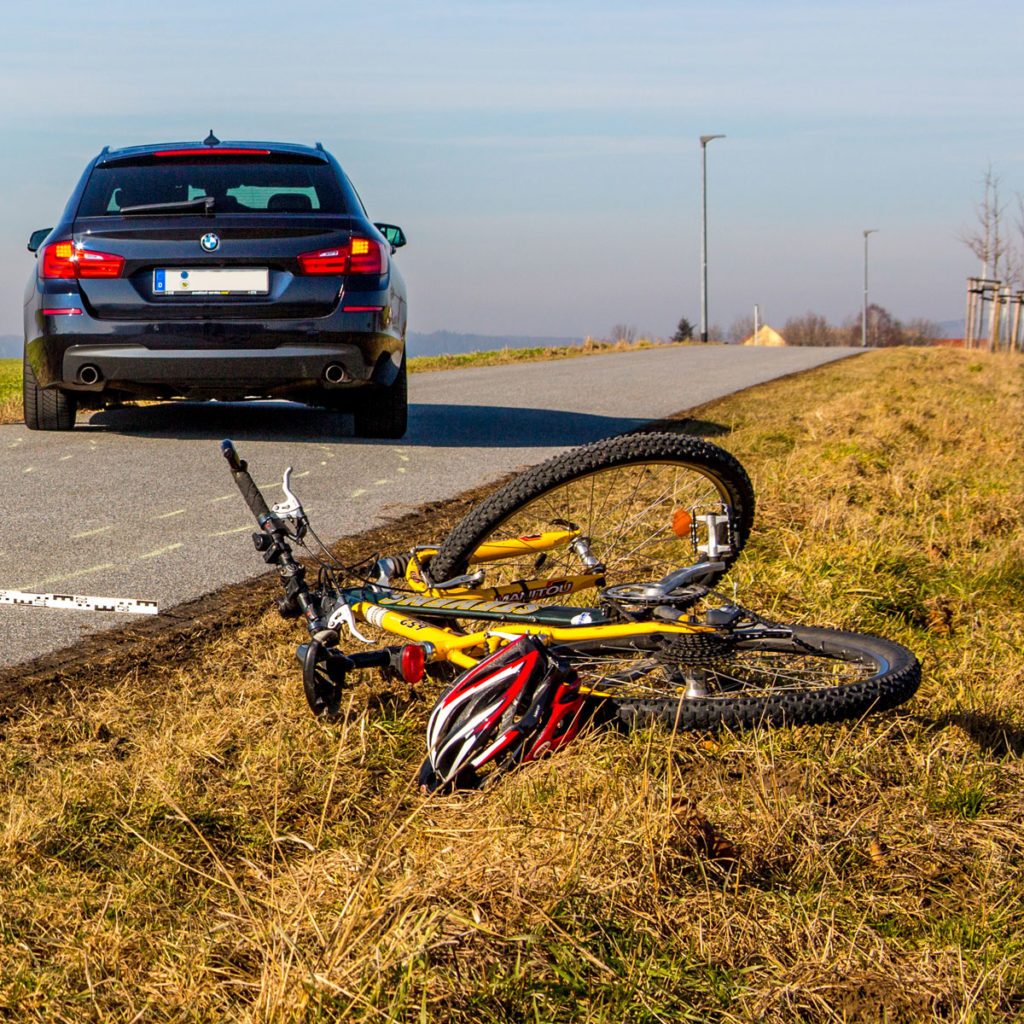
631 497
809 677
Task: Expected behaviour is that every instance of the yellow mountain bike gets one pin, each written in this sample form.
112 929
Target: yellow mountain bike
601 554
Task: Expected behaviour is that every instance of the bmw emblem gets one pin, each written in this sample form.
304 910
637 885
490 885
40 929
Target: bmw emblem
209 241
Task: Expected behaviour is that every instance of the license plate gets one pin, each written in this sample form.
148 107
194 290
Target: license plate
185 281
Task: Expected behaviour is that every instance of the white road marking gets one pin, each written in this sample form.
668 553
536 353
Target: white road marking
70 576
234 529
161 551
168 515
91 533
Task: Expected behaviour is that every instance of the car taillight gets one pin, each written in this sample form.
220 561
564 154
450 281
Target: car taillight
359 256
66 260
326 261
213 152
367 257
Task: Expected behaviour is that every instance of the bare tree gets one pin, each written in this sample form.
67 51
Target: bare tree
986 238
1014 256
921 331
884 330
740 329
624 332
809 329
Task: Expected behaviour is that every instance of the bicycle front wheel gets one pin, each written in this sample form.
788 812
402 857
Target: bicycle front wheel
633 498
809 677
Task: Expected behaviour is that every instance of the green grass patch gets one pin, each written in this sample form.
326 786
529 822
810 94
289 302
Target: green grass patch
10 390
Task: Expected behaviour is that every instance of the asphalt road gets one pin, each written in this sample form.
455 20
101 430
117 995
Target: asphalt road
139 502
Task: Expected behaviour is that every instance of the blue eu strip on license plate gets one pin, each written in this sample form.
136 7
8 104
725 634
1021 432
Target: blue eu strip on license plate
159 283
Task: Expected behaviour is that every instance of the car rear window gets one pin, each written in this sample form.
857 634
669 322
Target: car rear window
277 185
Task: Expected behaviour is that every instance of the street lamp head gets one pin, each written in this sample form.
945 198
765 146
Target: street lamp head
705 139
870 231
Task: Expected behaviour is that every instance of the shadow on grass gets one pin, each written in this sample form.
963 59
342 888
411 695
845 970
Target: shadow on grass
685 425
991 733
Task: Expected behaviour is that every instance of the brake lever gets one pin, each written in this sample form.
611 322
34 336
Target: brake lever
342 616
291 508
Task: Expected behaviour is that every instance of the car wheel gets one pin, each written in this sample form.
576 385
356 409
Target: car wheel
45 408
383 412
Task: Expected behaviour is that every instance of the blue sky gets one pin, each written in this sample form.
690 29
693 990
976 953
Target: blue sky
543 157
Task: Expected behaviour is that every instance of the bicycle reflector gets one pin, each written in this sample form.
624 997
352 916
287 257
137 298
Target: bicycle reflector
681 523
413 662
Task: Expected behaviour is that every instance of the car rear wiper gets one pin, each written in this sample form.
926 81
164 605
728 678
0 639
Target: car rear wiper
183 205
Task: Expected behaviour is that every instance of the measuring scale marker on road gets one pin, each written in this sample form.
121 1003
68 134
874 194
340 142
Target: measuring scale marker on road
80 602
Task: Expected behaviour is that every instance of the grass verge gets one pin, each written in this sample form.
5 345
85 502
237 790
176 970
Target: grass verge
10 391
181 841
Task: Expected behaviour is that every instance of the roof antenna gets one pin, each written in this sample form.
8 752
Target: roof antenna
211 139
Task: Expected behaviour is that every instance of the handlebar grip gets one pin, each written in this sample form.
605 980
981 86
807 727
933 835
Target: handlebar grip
228 450
240 471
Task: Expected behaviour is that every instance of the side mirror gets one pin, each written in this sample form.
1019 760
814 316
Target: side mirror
36 239
393 233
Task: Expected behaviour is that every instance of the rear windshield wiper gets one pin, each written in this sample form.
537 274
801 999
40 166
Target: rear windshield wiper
183 206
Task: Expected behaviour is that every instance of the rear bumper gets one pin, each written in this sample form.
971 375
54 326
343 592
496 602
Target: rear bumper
260 370
229 360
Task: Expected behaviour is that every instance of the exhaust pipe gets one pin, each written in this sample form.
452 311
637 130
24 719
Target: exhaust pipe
335 374
90 374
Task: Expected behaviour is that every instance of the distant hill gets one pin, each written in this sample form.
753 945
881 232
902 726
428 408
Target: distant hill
10 346
450 343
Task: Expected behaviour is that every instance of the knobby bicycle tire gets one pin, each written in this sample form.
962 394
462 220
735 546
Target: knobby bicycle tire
623 493
809 677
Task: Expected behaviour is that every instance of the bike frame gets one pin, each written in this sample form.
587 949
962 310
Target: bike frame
397 613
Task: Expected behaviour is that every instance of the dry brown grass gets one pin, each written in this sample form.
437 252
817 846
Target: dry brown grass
184 842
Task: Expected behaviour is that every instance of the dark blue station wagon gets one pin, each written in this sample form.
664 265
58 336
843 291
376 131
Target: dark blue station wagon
224 270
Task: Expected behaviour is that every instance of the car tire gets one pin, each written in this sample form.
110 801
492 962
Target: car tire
45 408
383 412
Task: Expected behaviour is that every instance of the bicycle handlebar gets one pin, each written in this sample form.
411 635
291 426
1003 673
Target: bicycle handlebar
250 492
273 542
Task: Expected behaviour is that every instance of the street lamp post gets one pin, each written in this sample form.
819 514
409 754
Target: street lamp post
864 309
704 140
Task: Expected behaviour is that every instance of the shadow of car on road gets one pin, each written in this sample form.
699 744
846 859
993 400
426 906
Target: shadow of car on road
456 426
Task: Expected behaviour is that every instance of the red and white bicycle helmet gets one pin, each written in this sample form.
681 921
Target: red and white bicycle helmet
514 706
